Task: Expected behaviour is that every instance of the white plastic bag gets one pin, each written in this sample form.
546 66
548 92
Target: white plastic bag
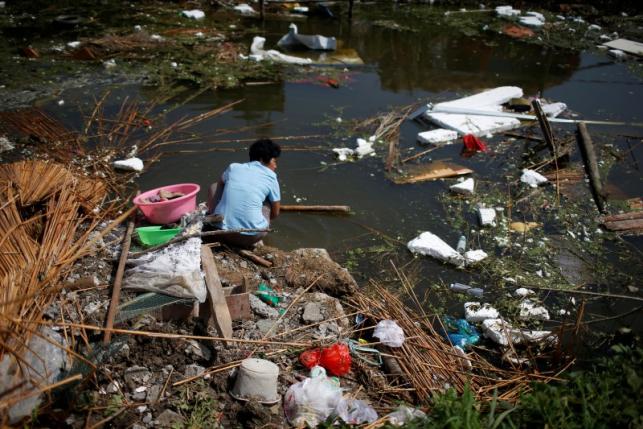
403 415
389 333
311 401
355 411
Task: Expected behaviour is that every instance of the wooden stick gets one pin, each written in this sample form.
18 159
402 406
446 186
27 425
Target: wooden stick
216 295
255 258
304 208
116 291
591 165
586 292
419 155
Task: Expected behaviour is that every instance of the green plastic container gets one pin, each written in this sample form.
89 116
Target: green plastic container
154 235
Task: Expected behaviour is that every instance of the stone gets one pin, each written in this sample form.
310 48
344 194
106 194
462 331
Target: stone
153 393
169 418
193 370
136 376
312 313
5 144
262 309
198 350
264 325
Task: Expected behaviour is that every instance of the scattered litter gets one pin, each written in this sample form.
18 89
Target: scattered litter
316 42
532 21
335 359
518 32
473 144
624 45
257 53
267 294
461 333
389 333
404 414
470 290
475 312
523 292
486 216
503 333
474 256
552 110
355 411
157 37
256 380
244 9
464 187
109 64
311 401
507 11
430 244
193 14
364 147
131 164
532 178
489 101
523 227
343 153
617 53
594 27
138 28
5 144
74 44
430 171
532 311
437 136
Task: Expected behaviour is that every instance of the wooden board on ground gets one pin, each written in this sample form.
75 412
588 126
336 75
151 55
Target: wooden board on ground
216 296
631 223
431 171
625 45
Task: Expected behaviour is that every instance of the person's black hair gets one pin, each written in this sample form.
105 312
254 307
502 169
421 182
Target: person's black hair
264 150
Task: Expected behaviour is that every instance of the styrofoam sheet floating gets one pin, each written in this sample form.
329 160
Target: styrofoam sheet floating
625 45
478 125
438 136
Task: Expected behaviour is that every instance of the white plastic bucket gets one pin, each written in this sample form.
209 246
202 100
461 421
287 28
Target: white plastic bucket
257 380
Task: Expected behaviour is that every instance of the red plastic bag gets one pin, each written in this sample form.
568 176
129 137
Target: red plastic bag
310 358
473 144
336 359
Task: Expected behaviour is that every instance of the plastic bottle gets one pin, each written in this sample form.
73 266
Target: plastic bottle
462 244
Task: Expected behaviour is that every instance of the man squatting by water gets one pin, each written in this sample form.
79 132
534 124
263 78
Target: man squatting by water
247 195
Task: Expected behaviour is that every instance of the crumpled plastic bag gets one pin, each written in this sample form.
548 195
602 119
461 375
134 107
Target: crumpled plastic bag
403 415
355 411
311 401
389 333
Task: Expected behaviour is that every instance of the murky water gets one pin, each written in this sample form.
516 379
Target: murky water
399 69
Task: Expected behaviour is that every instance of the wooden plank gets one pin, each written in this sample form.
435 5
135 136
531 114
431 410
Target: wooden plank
255 258
625 225
116 291
432 171
591 166
303 208
216 300
623 216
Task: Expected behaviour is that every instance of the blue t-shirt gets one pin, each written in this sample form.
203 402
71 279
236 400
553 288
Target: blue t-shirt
246 188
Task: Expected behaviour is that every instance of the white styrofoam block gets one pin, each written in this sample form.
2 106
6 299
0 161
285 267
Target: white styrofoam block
476 312
343 153
430 244
536 15
244 9
532 178
532 311
594 27
501 332
617 53
554 109
507 11
474 256
130 164
478 125
523 292
486 216
193 14
465 187
437 136
73 44
531 21
364 148
625 45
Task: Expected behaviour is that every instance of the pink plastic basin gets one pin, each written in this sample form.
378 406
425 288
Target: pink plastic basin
169 211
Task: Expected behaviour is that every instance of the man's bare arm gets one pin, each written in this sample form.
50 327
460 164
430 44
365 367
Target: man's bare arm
275 207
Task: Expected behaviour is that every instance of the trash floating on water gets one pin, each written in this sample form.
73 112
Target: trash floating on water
316 42
461 333
477 312
503 333
464 187
532 178
193 14
131 164
488 101
523 226
437 136
486 216
474 256
430 171
364 147
507 11
244 9
523 292
430 244
532 311
470 290
258 53
624 45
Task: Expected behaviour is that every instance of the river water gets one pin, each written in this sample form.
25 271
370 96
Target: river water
400 68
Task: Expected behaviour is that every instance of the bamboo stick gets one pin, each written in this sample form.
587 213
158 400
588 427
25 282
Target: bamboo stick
313 208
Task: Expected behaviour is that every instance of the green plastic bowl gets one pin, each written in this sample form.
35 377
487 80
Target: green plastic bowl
154 235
